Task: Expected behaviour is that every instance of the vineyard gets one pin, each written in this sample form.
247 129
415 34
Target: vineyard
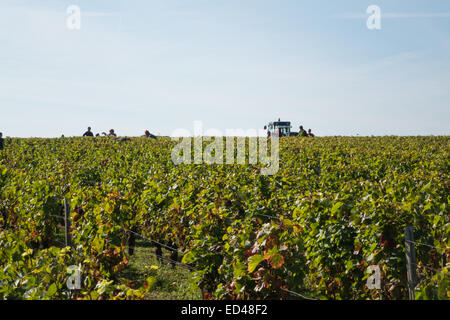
336 206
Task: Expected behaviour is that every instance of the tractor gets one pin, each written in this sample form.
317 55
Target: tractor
280 129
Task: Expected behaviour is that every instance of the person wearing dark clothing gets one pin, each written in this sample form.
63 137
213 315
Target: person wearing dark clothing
149 135
88 133
302 132
2 141
310 134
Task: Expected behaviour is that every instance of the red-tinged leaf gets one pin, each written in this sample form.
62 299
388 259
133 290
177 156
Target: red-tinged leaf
269 253
276 261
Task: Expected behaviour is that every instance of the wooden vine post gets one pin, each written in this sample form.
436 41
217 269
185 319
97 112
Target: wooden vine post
410 253
67 222
131 241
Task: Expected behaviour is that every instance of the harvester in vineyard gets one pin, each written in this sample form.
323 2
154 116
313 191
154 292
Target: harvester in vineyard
280 129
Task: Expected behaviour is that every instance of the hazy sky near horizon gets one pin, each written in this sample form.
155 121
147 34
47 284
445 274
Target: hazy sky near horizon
161 65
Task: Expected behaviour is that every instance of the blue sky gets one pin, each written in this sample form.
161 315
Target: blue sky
161 65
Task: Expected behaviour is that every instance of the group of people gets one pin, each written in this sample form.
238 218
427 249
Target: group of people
303 133
89 133
111 133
